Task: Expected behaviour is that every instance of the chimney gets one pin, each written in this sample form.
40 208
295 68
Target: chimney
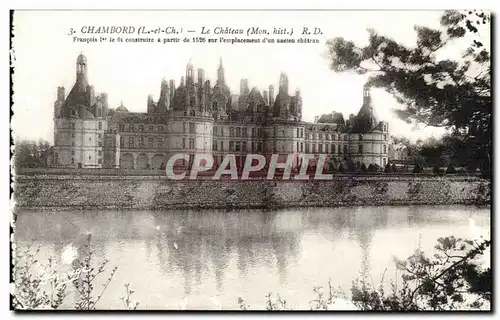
60 94
271 95
201 77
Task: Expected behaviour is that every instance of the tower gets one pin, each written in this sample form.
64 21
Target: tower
244 90
189 73
283 83
220 72
366 94
164 100
81 71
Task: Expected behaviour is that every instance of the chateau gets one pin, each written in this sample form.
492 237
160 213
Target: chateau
202 117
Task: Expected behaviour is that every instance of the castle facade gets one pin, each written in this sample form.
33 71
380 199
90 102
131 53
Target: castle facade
202 117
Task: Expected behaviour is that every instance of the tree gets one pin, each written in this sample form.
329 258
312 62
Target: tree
388 168
341 168
451 169
30 154
418 168
393 168
435 91
363 168
371 168
449 280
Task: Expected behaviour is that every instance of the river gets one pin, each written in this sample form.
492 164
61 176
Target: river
205 260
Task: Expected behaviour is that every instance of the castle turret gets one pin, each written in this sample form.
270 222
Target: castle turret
81 71
283 83
189 73
220 73
164 100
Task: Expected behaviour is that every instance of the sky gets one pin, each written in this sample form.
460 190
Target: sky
45 58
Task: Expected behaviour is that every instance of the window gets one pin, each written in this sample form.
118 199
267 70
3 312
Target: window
90 158
222 146
231 132
244 132
72 135
160 128
121 127
385 137
302 147
122 142
327 136
131 142
72 153
302 133
320 136
298 146
216 131
385 148
238 132
253 146
160 142
192 127
221 131
384 161
231 145
308 147
307 136
150 142
345 137
183 143
191 143
313 148
214 145
259 146
184 128
100 125
90 139
72 126
334 149
259 132
274 131
99 153
253 132
360 149
99 161
238 146
360 137
193 101
131 127
320 148
72 160
345 149
298 133
141 142
244 146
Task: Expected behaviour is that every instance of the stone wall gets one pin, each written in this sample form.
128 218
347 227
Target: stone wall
155 192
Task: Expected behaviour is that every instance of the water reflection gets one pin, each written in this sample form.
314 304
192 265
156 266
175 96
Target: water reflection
170 255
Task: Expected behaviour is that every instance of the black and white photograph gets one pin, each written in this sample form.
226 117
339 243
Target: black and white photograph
251 160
